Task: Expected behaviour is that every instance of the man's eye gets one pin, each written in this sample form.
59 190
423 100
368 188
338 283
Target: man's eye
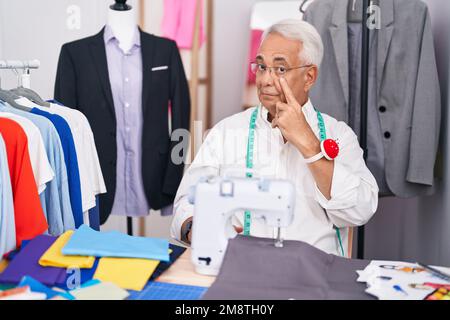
262 67
281 70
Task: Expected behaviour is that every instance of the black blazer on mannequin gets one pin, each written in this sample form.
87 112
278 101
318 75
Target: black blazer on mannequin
82 83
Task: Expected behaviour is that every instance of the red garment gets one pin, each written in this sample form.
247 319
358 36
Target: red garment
29 217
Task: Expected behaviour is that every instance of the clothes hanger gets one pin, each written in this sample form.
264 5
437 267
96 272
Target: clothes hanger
354 13
302 6
28 93
31 95
11 98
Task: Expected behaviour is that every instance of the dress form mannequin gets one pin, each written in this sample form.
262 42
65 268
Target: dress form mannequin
122 19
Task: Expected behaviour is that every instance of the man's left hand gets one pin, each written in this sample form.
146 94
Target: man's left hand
292 123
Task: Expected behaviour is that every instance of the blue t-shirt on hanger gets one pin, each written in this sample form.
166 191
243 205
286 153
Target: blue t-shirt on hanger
70 157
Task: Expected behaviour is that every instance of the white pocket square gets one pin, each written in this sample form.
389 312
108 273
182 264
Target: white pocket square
160 68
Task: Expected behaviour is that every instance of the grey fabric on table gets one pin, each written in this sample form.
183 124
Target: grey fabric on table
254 269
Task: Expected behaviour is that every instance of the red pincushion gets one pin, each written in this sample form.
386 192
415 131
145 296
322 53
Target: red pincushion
330 148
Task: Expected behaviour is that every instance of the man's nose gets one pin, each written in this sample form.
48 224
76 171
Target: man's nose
267 78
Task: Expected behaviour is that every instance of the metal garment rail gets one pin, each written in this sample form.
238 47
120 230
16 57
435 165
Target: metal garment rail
364 101
15 65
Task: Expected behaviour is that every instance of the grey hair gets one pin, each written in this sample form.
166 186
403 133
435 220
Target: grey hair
304 32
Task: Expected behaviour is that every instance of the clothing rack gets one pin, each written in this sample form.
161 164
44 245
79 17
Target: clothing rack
24 78
364 101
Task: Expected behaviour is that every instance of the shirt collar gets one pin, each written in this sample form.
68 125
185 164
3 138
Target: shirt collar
109 36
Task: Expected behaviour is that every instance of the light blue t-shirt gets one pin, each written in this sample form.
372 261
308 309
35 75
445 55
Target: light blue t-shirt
55 199
7 224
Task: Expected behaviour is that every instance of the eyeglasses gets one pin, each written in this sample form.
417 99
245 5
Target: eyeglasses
260 68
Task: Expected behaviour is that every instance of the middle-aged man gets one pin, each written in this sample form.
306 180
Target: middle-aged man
333 192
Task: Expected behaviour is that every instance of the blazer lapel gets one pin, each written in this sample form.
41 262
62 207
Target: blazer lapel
384 37
339 37
98 51
147 48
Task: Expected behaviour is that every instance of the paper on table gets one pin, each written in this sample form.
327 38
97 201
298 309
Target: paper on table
53 257
382 276
101 291
400 271
130 274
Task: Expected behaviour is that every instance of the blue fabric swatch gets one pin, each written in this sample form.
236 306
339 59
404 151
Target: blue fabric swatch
87 242
86 275
36 286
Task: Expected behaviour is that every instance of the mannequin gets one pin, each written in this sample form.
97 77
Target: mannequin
122 19
124 81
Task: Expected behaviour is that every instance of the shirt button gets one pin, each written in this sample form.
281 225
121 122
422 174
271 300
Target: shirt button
127 80
387 134
127 105
382 109
127 129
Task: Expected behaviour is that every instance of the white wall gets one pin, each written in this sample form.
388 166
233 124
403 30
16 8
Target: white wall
38 29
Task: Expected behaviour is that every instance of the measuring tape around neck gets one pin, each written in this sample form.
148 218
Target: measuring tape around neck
249 163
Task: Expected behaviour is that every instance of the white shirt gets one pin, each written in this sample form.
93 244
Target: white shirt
354 191
91 176
42 170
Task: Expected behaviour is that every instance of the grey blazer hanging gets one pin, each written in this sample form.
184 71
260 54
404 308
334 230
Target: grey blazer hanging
407 87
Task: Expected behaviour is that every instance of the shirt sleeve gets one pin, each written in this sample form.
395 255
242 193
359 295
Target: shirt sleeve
207 162
354 190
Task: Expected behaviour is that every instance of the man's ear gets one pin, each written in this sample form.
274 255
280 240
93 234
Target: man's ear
311 77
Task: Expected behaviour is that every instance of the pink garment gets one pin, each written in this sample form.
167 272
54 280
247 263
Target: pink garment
255 41
179 22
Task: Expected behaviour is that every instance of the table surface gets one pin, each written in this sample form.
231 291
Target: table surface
182 272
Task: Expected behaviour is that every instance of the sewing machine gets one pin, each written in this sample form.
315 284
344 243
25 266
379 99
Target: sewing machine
216 199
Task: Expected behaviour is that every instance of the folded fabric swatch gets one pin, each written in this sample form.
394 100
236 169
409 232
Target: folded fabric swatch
130 274
101 291
3 265
12 254
26 263
6 287
85 276
38 287
176 252
53 257
25 295
87 242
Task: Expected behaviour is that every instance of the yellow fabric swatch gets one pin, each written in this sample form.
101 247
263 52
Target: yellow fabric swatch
3 265
53 257
130 274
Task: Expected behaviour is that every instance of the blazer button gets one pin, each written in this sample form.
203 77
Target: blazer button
387 134
382 109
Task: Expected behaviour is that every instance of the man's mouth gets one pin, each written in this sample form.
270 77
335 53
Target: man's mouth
270 94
